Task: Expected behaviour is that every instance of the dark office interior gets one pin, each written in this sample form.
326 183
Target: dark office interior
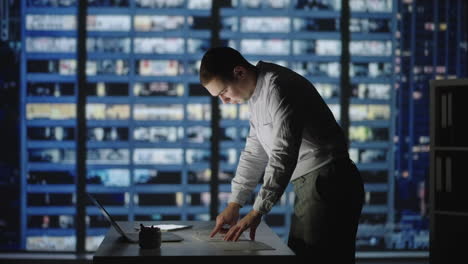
103 96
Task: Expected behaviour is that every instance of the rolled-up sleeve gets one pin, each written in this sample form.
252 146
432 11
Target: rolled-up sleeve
250 169
287 122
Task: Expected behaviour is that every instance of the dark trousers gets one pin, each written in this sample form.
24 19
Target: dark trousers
327 207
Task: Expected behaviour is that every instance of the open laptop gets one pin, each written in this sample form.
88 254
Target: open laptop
131 236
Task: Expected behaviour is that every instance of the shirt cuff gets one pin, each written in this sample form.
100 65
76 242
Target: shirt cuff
262 206
239 197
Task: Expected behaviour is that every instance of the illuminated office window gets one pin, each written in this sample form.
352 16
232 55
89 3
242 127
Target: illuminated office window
368 134
109 177
46 44
108 45
370 25
158 23
50 22
265 24
158 89
369 112
371 5
108 156
317 69
330 5
327 90
158 68
159 45
158 112
158 134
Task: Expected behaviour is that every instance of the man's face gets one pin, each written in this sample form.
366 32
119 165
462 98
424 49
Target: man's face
237 91
228 92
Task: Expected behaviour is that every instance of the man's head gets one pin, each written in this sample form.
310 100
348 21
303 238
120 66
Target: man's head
224 72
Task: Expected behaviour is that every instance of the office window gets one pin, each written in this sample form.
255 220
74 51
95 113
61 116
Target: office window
142 73
149 119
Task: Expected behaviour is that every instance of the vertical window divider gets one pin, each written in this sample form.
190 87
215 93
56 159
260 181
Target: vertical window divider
393 103
132 191
80 179
215 118
23 136
345 84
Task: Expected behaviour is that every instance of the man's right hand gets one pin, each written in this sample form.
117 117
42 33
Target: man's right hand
229 216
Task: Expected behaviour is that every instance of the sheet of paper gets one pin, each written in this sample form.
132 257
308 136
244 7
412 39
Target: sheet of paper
204 235
167 227
244 242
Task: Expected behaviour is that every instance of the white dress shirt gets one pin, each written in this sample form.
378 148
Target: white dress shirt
292 132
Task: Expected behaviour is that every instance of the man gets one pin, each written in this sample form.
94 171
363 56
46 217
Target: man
294 138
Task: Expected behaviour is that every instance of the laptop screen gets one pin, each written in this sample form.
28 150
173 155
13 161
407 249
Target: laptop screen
166 236
106 214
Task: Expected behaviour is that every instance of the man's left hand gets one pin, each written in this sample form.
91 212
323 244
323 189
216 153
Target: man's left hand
251 220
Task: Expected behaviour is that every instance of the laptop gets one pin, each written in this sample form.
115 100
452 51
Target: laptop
131 237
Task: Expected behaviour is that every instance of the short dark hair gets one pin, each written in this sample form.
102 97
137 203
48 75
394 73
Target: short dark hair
219 62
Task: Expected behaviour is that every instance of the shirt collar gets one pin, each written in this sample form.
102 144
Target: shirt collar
259 85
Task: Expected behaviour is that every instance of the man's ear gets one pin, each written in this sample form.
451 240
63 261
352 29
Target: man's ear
239 72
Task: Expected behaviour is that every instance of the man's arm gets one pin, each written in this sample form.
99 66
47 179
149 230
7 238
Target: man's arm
287 134
288 123
250 168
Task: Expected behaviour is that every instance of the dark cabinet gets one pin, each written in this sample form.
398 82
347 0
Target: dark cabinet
449 171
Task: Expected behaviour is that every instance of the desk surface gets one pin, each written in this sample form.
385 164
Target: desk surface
114 250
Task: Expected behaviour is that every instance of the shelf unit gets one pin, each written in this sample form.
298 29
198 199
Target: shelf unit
448 155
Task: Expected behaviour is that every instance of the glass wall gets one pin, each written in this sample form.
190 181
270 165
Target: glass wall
432 43
148 118
371 114
48 96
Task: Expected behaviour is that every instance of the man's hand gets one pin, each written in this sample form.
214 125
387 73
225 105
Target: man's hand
228 216
252 220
